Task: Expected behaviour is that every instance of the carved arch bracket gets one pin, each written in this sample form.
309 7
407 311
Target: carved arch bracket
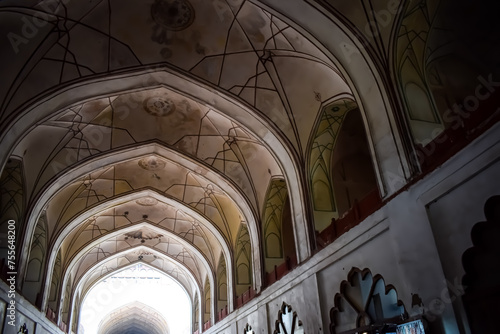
248 329
288 321
364 300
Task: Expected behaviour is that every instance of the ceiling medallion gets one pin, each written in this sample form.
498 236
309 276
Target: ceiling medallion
147 201
152 163
159 106
173 14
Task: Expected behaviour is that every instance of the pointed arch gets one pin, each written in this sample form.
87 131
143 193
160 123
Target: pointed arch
55 284
105 269
278 238
207 304
243 262
340 150
322 145
33 280
132 314
222 289
12 205
196 314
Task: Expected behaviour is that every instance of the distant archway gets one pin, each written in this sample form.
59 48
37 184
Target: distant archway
140 292
135 317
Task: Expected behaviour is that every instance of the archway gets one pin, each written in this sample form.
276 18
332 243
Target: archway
138 295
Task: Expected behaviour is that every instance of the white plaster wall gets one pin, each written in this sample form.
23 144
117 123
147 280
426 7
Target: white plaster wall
415 242
25 312
452 217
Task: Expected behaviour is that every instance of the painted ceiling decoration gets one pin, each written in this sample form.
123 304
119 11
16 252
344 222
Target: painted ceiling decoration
243 35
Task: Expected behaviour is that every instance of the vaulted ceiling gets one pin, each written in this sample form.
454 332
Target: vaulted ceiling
150 131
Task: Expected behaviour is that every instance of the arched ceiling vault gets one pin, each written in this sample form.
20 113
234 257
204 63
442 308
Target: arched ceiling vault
155 239
277 150
195 198
132 237
143 254
128 259
197 242
116 183
122 320
164 216
92 163
197 123
187 225
249 55
136 152
240 29
109 220
199 133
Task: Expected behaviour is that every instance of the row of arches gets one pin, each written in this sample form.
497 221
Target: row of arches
256 172
277 235
445 74
363 303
